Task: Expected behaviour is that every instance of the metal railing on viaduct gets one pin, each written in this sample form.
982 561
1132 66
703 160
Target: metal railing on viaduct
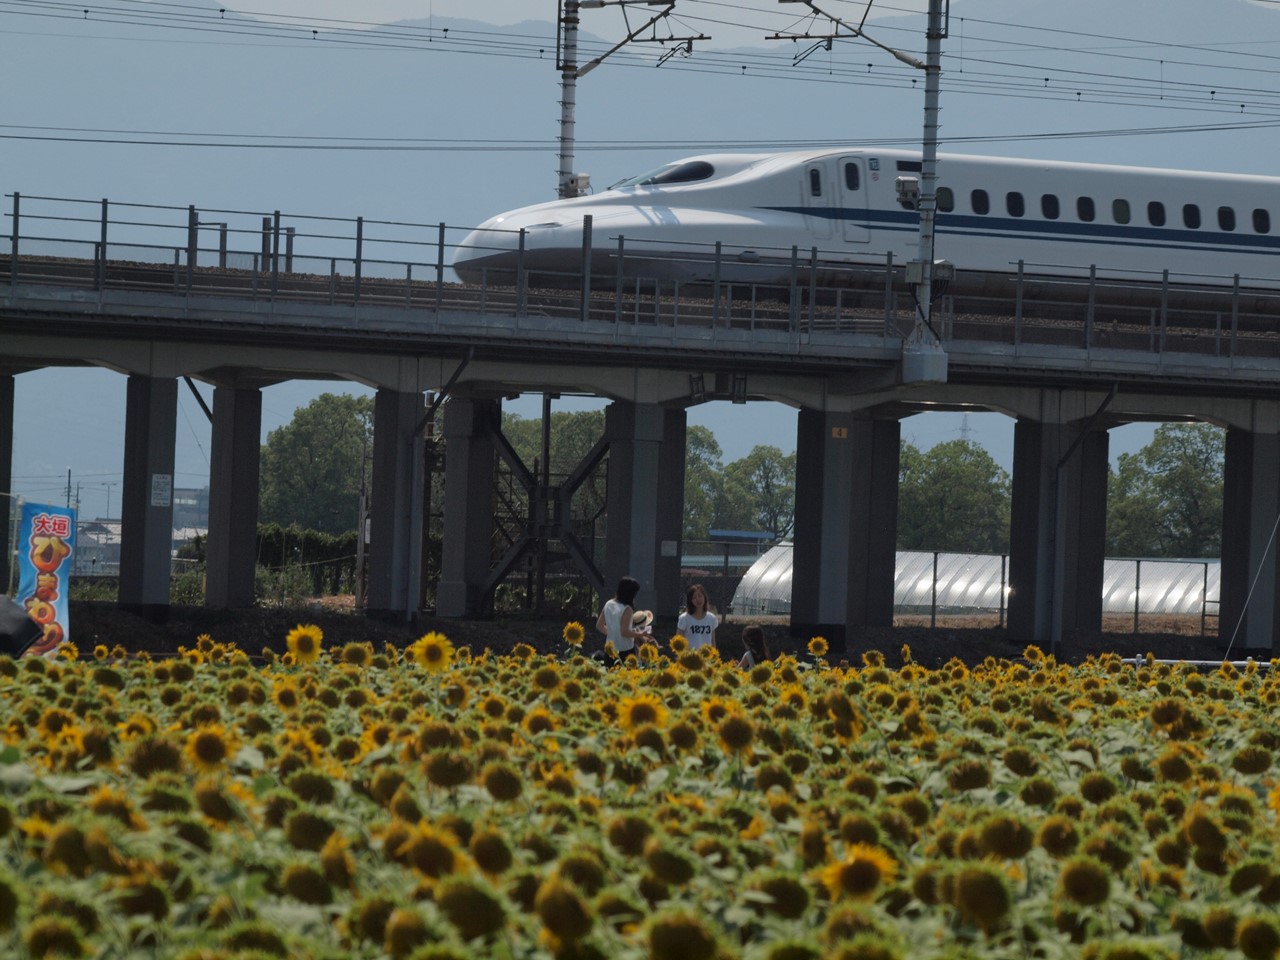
243 299
143 269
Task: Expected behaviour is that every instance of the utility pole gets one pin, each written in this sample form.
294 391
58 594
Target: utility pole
568 18
922 355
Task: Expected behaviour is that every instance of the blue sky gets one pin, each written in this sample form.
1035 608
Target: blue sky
1013 68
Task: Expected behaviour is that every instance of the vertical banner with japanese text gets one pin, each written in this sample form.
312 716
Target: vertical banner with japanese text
46 545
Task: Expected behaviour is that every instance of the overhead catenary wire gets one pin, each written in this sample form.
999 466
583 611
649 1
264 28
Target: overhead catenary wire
494 43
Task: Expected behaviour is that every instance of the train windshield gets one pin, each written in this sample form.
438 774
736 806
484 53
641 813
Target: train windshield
686 172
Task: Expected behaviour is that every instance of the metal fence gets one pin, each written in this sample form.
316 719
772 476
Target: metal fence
104 245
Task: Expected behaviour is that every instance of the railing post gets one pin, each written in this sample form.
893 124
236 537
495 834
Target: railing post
266 241
522 278
813 288
102 254
715 287
359 268
933 595
333 279
1088 317
888 293
275 254
193 242
618 279
222 246
1137 593
1017 308
585 306
408 284
13 242
1204 597
793 315
440 271
288 248
1004 560
1164 309
1235 311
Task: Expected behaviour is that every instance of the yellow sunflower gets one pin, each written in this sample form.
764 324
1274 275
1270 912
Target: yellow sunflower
432 651
303 642
574 633
641 710
818 646
210 747
860 874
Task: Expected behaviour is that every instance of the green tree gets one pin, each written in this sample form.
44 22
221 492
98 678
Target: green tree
312 467
703 482
952 497
768 477
573 434
1166 499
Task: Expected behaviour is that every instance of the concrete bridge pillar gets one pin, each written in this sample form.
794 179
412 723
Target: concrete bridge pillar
1250 507
469 428
645 502
146 512
844 553
6 475
233 497
1057 539
395 507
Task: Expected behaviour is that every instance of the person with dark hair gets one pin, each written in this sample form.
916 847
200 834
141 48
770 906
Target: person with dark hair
615 620
757 649
697 624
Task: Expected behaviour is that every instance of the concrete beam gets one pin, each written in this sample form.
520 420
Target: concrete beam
1248 615
233 498
469 428
7 502
846 525
395 507
146 512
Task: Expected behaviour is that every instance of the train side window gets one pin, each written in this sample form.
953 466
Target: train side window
1191 216
1049 206
1015 204
1155 213
815 182
1085 210
981 203
852 179
1120 211
946 200
1226 218
1261 221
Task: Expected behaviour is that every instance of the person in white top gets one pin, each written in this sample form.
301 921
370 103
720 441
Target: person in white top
757 651
615 619
697 624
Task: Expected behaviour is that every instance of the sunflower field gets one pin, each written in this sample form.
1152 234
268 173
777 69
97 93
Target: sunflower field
434 803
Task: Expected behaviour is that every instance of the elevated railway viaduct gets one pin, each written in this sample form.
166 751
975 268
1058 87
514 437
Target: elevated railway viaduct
1067 358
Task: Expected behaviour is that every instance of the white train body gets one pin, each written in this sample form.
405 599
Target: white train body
1057 218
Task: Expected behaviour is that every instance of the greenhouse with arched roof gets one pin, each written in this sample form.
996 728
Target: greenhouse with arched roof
972 583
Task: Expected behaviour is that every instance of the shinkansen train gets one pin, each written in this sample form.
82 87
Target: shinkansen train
858 206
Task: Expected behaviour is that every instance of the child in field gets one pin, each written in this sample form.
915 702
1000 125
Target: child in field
757 649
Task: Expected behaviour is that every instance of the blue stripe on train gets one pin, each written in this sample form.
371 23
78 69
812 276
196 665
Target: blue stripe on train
964 225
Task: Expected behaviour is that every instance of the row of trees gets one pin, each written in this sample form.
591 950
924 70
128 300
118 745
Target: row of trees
1164 501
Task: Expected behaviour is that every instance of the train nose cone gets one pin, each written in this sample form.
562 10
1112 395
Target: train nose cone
477 247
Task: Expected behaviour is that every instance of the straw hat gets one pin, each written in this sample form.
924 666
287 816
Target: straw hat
641 620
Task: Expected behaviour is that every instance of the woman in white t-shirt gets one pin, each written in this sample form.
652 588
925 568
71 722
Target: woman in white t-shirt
615 620
697 624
